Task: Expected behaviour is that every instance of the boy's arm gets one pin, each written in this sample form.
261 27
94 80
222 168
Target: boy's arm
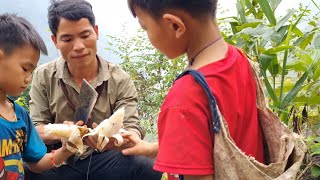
49 159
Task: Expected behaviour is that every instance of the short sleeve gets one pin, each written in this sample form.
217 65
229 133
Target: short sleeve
185 142
34 148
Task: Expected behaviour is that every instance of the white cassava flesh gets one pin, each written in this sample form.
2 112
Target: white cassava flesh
71 133
108 128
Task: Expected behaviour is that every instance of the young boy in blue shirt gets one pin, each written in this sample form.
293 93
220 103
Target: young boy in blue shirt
20 47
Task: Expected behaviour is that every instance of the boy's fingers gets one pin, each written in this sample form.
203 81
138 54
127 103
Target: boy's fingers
133 139
125 134
129 151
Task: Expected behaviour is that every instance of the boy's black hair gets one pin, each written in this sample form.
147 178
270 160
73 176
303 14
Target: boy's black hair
196 8
72 10
16 32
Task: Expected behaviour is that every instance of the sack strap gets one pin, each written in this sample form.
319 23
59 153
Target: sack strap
215 120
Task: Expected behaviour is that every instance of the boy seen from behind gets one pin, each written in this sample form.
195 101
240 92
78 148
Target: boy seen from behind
20 47
185 145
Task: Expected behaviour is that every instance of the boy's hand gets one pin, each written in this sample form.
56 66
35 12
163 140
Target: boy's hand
139 147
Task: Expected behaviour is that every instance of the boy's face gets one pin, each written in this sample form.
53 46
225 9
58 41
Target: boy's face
16 69
77 41
162 34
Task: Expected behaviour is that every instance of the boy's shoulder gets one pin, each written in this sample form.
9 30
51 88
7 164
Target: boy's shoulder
21 112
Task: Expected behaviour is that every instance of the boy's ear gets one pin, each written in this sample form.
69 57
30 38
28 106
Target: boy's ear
54 40
176 24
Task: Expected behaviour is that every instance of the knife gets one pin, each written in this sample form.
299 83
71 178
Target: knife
86 100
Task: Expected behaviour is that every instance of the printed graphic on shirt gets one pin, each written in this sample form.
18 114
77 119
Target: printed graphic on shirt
10 146
11 164
8 175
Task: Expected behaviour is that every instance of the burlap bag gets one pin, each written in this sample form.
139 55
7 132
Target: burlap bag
284 149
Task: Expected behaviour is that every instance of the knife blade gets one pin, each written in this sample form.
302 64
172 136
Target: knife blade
86 101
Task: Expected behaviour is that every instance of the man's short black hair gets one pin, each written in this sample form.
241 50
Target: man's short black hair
16 32
72 10
196 8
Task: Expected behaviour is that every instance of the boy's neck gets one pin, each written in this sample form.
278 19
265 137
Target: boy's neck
205 45
3 97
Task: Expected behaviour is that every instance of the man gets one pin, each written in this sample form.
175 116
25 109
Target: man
56 86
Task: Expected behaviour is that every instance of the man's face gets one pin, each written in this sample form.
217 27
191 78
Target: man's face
77 41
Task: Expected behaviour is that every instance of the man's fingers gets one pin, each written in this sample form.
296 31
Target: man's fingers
91 141
80 123
94 125
68 122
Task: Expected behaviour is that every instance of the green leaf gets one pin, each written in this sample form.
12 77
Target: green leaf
234 27
317 42
315 150
274 4
294 91
316 74
307 41
278 49
317 139
315 4
271 92
316 127
246 25
259 31
297 32
274 68
315 171
299 65
265 6
265 60
314 100
285 19
241 12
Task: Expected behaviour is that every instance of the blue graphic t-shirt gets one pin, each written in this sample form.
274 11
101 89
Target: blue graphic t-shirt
19 141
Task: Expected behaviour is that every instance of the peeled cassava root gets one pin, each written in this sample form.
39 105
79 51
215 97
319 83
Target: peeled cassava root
108 128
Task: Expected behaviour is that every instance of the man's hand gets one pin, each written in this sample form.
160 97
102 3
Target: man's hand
92 141
79 123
